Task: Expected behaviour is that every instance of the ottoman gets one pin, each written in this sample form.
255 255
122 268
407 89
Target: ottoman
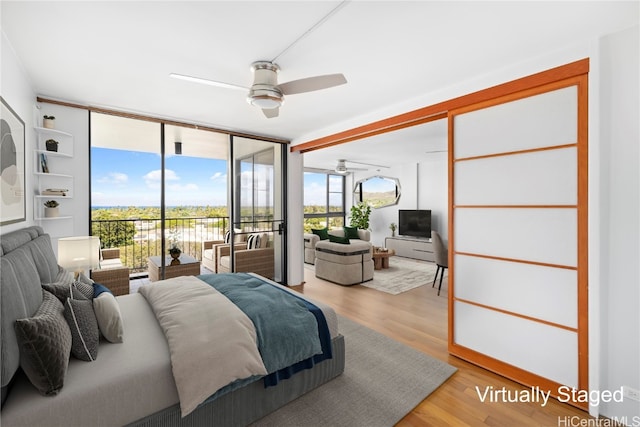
344 264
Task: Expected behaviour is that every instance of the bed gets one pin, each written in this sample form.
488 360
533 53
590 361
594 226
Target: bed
132 382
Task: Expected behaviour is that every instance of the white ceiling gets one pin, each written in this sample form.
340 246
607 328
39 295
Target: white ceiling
118 54
403 146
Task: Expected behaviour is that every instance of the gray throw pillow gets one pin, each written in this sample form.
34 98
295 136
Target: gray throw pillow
85 287
62 290
45 345
85 334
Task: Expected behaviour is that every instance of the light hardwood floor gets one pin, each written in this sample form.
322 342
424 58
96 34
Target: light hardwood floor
418 318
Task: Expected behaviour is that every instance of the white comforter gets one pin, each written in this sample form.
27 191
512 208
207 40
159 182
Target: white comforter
211 341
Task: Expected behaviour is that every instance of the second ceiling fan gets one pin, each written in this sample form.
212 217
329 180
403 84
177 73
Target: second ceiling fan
342 168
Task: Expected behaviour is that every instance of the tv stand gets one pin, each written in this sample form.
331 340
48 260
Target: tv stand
411 247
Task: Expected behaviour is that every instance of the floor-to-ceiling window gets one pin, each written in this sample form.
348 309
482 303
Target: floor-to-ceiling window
126 165
323 200
155 185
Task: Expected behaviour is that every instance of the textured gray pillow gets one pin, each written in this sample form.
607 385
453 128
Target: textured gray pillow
85 335
85 289
45 345
62 290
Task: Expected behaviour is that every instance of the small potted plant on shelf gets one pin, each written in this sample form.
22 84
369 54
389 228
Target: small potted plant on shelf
51 145
392 227
48 122
51 209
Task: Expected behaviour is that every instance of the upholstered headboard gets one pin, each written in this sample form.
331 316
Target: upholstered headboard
26 261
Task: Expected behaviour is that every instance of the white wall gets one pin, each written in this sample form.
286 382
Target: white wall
295 219
17 92
620 220
423 185
433 191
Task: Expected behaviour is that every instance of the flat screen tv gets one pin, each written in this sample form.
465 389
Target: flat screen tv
415 223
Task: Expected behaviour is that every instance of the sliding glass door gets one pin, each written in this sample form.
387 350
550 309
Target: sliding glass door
258 208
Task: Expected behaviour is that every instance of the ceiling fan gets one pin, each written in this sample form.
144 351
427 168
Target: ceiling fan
266 93
342 168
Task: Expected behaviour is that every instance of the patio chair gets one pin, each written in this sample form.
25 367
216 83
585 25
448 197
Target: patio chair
112 273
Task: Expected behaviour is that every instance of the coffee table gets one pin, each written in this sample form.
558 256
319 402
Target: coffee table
186 266
381 259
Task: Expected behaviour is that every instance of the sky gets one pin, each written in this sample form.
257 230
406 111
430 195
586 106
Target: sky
132 178
315 189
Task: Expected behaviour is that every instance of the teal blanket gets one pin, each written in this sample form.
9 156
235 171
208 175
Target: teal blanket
287 331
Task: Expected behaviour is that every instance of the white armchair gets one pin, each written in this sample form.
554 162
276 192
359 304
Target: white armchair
311 239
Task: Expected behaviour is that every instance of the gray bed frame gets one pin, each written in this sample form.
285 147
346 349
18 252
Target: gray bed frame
27 260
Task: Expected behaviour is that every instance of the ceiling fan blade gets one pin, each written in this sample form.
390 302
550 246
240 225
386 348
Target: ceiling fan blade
368 164
271 112
310 84
207 81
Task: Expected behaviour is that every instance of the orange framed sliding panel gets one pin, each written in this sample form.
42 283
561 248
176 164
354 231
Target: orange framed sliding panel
518 234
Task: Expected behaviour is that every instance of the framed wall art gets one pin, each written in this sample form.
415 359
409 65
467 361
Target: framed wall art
12 167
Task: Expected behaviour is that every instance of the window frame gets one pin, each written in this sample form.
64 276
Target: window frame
328 213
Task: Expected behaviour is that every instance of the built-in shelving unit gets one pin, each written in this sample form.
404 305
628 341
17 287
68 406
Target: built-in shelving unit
49 168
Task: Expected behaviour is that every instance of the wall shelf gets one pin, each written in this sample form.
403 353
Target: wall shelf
54 154
53 218
48 196
59 175
49 131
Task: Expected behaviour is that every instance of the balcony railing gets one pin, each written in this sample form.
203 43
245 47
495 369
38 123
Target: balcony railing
138 239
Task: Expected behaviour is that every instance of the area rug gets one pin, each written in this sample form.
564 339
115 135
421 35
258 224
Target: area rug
402 275
382 382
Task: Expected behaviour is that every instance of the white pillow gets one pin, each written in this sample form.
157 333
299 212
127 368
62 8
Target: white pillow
109 318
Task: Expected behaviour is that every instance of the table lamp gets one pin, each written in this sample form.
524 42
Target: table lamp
78 254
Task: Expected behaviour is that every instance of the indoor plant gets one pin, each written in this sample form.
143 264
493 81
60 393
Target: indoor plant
51 209
392 227
48 122
360 216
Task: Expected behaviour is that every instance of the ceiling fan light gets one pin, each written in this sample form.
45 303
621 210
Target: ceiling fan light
341 167
265 102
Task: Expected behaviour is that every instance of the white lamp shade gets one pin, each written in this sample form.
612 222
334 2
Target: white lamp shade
79 253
